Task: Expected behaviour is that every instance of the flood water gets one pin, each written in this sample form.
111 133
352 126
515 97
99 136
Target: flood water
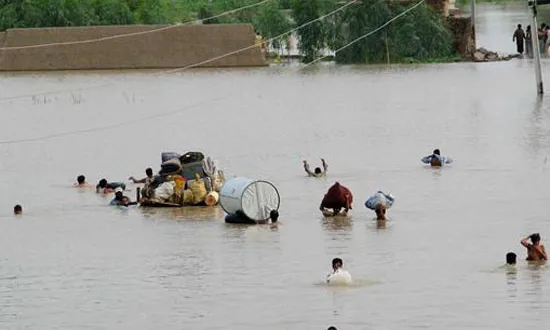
71 262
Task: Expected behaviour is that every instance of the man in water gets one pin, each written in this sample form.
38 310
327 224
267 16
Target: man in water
436 160
120 199
147 179
17 210
240 218
519 39
317 172
510 259
337 198
108 187
535 250
273 218
337 265
81 182
380 211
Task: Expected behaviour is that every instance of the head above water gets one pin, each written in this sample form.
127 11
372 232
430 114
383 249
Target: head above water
337 263
332 328
17 209
318 170
519 26
511 258
437 152
274 215
81 179
149 172
102 183
528 28
535 238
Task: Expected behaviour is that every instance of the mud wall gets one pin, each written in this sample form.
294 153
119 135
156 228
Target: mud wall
174 47
464 41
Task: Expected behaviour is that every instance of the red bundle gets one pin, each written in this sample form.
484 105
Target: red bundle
337 197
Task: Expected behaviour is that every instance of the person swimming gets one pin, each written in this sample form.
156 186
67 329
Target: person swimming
81 182
108 187
436 160
535 250
240 218
148 179
338 275
18 210
120 199
511 259
317 173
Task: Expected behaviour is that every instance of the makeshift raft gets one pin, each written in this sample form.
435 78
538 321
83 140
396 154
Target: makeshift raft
184 181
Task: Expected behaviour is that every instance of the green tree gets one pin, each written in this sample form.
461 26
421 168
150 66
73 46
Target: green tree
272 22
113 12
312 36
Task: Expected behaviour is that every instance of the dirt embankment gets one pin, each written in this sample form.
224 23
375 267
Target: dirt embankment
173 47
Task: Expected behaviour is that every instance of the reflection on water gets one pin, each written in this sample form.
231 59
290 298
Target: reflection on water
338 223
183 213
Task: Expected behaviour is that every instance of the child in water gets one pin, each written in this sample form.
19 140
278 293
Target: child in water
338 275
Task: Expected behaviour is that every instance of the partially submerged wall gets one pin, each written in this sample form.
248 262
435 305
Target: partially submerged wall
173 47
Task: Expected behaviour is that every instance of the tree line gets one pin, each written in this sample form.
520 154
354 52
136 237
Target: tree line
420 35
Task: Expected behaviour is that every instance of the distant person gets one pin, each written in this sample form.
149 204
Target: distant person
519 39
436 160
18 210
317 173
535 250
120 199
542 36
337 198
240 218
147 179
81 182
511 259
528 42
105 187
338 275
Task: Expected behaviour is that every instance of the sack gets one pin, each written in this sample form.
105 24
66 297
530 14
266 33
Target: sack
192 157
337 196
199 191
165 156
165 191
171 166
378 198
187 197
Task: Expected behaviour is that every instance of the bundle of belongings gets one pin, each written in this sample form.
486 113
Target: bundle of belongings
337 197
185 180
379 198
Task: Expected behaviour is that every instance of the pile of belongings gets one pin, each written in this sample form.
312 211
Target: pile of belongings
185 180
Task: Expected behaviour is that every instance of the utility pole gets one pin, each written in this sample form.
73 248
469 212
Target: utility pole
535 42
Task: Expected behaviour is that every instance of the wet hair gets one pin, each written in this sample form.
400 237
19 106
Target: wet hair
337 261
437 152
17 209
149 171
102 183
511 258
535 238
519 26
81 179
274 215
318 170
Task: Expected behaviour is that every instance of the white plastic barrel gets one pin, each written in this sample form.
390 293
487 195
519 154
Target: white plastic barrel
255 198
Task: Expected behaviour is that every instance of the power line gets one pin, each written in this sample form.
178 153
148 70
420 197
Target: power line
103 128
118 36
191 65
365 35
